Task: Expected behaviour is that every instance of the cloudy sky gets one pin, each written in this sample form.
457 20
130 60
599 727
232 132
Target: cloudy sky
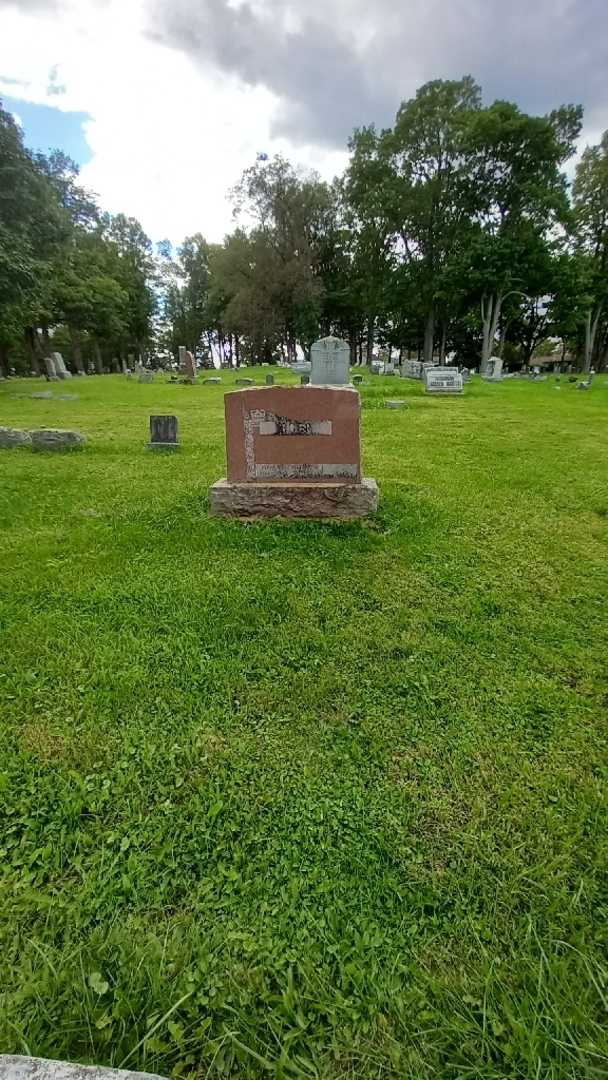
165 102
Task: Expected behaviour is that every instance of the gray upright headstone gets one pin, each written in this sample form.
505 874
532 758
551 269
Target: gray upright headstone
330 360
190 367
49 363
270 380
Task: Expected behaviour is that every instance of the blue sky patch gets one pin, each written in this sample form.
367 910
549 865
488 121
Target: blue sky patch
45 128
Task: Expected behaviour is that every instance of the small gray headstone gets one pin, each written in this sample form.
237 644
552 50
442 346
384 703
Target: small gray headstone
244 382
146 377
330 360
163 433
304 380
45 395
10 437
212 381
56 439
396 404
270 380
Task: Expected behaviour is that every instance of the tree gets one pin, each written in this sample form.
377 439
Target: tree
408 187
590 198
522 201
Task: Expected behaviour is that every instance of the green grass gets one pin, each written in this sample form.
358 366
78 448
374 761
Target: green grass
302 799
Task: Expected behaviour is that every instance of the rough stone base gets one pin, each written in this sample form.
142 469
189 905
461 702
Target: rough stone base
163 446
29 1068
294 500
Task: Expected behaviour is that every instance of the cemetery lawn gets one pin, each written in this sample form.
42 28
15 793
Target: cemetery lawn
308 800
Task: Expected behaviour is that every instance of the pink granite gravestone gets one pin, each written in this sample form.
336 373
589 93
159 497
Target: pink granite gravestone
293 452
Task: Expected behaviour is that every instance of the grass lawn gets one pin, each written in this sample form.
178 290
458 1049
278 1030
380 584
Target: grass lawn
299 799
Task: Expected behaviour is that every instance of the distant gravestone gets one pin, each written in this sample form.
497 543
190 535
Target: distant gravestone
396 404
212 381
49 364
244 382
304 380
56 439
163 433
302 367
60 368
189 367
411 369
466 374
330 360
494 369
270 380
45 395
146 376
357 380
376 367
443 380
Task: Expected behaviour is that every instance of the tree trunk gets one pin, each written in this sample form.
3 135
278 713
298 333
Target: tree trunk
4 363
76 340
97 358
429 336
237 351
32 346
490 317
442 344
369 342
352 340
591 322
360 350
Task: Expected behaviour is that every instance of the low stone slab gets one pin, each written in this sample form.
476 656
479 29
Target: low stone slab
212 382
43 395
395 404
13 1067
297 500
244 382
57 439
10 437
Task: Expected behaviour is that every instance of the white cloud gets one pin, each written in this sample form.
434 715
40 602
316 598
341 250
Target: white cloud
168 141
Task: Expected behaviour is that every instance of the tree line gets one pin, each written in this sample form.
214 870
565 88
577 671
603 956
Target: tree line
454 232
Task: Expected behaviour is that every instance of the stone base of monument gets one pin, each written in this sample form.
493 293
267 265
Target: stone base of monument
293 500
30 1068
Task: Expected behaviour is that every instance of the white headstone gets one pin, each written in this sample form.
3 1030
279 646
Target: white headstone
330 359
494 369
443 380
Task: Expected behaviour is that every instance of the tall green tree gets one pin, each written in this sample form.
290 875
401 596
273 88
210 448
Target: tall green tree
590 198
